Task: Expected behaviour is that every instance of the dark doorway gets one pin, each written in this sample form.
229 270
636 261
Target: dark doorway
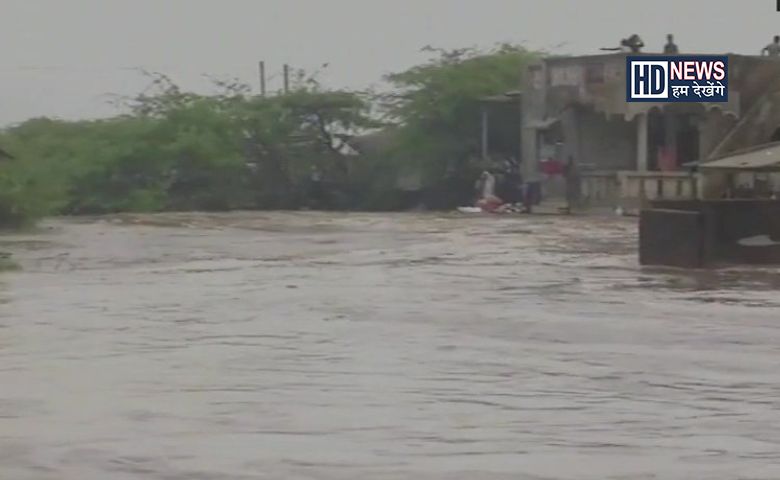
775 136
656 127
687 140
504 124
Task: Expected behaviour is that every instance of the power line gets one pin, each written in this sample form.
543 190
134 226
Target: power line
134 68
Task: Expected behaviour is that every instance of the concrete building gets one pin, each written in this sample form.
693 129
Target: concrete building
629 153
736 218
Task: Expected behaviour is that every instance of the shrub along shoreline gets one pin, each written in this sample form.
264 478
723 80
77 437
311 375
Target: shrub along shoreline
178 151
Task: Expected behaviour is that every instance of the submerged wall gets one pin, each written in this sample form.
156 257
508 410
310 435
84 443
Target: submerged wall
606 143
715 226
671 238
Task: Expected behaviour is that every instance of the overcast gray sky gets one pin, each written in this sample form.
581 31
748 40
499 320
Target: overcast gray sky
62 57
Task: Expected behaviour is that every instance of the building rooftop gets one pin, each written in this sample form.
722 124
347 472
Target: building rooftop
761 158
616 55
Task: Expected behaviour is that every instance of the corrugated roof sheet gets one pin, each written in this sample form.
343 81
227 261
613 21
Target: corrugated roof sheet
766 157
544 124
508 97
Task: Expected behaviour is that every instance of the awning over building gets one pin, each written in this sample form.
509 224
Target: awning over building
508 97
544 124
762 158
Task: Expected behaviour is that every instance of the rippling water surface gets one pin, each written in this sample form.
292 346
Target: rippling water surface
318 346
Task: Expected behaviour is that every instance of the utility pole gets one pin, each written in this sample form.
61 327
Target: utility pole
262 78
485 137
286 78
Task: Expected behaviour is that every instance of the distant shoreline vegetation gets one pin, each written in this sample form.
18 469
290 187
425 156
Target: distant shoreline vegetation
178 151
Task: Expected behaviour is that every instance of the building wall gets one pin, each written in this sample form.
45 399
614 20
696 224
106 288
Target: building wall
587 94
723 224
599 81
712 185
713 128
570 126
673 238
752 77
756 127
600 189
605 143
532 112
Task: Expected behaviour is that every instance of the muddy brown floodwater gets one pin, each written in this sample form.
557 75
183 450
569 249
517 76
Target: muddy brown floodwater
317 346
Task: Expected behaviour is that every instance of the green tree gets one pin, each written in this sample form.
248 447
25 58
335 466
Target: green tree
182 151
437 107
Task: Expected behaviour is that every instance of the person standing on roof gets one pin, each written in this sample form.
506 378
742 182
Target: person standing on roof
633 43
670 48
773 49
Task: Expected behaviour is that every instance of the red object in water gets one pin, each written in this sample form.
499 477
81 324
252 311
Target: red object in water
490 204
552 167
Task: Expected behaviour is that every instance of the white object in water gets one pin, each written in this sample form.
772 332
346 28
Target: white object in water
469 210
619 211
758 241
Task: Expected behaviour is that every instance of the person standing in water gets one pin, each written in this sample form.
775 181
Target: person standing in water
486 185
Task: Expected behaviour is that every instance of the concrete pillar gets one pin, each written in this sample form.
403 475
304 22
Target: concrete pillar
530 164
641 142
571 136
485 134
670 135
670 131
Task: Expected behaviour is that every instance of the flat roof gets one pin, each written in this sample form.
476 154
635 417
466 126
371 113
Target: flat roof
508 97
610 55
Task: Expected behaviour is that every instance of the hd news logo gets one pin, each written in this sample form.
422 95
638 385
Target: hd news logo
678 78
